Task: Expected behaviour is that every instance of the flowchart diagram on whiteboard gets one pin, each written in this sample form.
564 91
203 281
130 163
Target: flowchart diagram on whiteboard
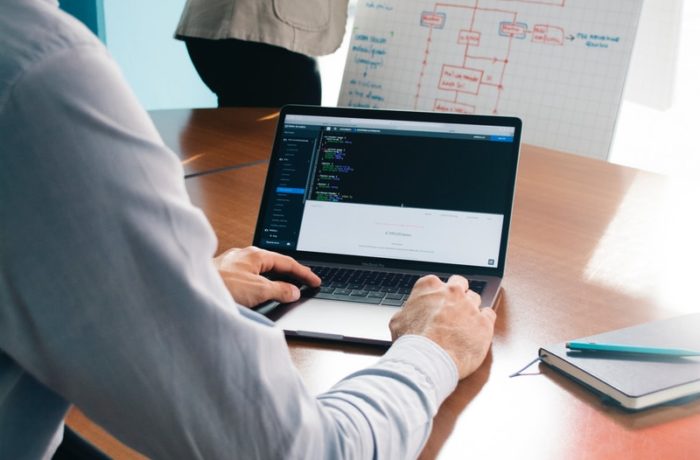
560 65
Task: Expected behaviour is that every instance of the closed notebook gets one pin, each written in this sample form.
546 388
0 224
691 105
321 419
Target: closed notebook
636 381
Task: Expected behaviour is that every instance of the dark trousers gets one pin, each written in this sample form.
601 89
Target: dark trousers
74 447
249 74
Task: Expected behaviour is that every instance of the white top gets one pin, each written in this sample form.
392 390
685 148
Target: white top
109 298
312 27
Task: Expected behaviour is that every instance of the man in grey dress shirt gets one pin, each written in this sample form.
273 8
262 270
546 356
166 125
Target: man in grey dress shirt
110 298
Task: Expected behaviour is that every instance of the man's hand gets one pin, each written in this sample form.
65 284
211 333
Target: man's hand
241 271
449 315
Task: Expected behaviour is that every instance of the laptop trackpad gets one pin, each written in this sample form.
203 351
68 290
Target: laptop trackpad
339 320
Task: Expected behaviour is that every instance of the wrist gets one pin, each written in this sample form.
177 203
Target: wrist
431 356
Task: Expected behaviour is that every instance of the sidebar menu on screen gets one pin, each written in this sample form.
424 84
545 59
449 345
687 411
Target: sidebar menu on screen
286 202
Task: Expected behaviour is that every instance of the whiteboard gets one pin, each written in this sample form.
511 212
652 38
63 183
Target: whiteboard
560 65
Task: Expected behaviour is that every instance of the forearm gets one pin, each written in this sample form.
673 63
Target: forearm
386 410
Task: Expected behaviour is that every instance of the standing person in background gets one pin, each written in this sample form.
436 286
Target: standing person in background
259 53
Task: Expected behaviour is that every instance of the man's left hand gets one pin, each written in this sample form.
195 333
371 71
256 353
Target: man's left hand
241 270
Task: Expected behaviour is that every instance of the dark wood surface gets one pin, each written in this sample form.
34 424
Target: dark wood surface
594 246
213 139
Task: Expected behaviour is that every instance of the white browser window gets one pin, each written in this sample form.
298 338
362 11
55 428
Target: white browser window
453 237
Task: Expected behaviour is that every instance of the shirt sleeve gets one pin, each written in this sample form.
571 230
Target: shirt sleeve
110 297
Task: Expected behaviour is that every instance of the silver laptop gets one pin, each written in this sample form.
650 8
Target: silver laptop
374 199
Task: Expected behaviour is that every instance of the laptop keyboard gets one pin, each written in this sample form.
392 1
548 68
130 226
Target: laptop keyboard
374 287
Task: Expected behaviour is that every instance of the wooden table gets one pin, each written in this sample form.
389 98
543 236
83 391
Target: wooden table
209 140
594 246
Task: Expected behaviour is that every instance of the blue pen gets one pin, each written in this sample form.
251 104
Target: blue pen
619 348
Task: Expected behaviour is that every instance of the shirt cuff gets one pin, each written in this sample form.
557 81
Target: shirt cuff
430 360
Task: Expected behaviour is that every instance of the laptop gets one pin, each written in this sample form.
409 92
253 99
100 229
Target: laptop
372 200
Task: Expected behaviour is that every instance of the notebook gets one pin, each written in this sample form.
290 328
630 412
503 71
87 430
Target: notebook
374 199
636 381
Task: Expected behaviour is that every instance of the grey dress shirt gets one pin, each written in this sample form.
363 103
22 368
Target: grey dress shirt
109 298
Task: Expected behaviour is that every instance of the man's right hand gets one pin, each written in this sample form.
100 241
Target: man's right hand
449 315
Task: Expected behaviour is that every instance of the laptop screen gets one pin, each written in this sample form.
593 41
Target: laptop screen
409 190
